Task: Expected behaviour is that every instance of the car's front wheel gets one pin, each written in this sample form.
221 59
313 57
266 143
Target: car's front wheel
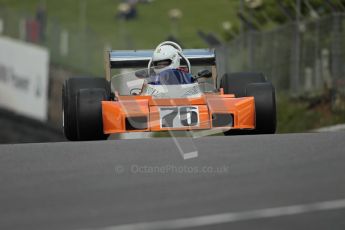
82 108
265 106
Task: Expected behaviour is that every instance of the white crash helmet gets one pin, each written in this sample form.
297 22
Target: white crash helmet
167 55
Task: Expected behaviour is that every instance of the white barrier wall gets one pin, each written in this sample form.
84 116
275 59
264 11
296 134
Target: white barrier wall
24 78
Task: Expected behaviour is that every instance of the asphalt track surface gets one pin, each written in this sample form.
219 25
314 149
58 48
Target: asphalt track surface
290 181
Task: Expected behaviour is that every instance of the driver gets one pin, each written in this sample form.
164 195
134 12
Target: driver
166 66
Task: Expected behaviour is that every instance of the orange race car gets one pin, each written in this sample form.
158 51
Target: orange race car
165 95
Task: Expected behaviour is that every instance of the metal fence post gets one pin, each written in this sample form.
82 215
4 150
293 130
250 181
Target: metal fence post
295 62
250 48
336 50
317 59
295 74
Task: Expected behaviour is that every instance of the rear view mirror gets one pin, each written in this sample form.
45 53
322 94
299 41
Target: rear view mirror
141 74
204 74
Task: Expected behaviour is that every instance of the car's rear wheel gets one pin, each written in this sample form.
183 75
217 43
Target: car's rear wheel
235 83
253 84
82 109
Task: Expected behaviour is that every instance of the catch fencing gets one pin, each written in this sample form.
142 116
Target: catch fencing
299 58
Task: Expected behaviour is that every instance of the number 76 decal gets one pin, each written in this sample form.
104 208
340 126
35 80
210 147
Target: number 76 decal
177 117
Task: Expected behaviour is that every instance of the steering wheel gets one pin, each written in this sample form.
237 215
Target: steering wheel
132 91
176 46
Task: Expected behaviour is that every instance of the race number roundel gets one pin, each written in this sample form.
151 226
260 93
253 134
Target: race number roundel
179 116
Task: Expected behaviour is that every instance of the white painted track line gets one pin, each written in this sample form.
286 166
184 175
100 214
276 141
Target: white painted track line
222 218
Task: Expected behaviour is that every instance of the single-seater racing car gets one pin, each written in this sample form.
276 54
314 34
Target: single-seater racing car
158 90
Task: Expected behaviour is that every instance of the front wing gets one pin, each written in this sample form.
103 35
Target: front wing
145 114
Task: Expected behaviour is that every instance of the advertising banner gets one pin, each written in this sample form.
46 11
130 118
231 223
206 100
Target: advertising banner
24 78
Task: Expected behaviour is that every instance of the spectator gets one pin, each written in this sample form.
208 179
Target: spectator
127 10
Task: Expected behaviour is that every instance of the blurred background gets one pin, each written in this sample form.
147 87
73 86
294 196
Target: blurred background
298 44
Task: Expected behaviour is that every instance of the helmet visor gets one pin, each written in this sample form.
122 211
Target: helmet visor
162 63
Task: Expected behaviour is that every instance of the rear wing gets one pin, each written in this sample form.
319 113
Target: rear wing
117 59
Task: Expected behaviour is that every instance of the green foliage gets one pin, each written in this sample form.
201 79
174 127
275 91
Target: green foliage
154 25
151 27
300 115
